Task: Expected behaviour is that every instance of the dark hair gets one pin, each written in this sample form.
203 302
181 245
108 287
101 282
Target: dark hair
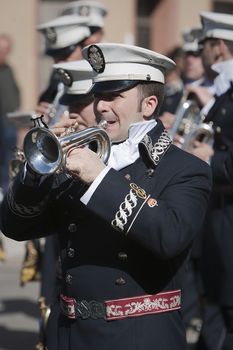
147 89
94 29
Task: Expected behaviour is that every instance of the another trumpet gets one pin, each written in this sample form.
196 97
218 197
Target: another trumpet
190 126
46 153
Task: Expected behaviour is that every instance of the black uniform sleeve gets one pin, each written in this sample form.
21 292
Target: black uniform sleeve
228 165
24 206
166 224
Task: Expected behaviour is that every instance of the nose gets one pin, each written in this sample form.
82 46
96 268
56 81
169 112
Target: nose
102 106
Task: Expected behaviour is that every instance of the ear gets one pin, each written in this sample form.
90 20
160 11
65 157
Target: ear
149 105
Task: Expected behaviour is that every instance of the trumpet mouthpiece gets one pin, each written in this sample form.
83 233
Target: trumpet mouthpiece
103 124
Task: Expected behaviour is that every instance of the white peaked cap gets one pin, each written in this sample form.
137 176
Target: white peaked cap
114 62
191 39
77 75
93 10
64 31
85 8
217 25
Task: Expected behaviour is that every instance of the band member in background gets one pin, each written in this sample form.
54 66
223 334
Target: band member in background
194 78
217 261
95 11
80 23
77 76
63 42
125 226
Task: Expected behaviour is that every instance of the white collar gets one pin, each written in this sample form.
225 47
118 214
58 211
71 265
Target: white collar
127 152
225 76
138 130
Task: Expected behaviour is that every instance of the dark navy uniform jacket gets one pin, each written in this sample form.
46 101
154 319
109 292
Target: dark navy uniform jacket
218 229
131 239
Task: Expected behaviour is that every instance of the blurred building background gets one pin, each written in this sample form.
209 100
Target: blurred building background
153 24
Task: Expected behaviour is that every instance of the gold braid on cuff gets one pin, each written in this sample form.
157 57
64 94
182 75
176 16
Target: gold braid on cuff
25 211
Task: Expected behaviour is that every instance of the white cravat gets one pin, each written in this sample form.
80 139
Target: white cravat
225 76
221 83
127 152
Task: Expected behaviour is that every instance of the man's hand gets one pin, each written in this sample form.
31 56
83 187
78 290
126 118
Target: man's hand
202 94
178 141
84 164
202 150
65 126
46 110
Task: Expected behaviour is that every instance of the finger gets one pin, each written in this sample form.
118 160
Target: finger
59 131
41 109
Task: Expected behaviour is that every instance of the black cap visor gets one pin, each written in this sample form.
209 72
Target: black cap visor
62 53
59 54
113 86
72 99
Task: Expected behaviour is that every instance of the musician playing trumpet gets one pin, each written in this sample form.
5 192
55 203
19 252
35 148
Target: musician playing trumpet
198 91
125 228
216 261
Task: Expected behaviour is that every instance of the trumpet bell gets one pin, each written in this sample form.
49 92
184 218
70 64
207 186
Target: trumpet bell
187 115
42 150
189 126
46 153
203 132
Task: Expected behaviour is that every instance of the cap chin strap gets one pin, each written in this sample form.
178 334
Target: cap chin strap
118 142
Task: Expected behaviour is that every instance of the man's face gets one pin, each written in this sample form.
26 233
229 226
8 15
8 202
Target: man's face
210 52
83 113
120 110
193 66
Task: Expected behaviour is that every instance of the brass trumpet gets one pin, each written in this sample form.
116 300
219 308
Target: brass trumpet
46 153
190 126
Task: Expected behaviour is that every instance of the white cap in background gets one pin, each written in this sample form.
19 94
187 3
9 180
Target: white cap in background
217 25
64 31
93 10
77 77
